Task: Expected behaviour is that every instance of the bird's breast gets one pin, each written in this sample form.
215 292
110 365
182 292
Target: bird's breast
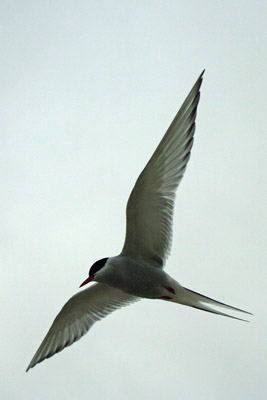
135 277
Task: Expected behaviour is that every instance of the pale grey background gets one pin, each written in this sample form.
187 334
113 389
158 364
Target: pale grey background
88 89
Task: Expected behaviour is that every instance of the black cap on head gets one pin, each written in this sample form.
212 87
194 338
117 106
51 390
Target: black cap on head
97 266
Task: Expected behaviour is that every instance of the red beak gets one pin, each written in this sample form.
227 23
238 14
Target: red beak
87 280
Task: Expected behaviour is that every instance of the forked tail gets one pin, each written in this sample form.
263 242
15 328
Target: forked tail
193 299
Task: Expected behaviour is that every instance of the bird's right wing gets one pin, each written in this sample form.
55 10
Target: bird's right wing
78 315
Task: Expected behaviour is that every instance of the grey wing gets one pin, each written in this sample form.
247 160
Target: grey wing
77 317
151 203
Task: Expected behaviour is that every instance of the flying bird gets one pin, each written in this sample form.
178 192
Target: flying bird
137 272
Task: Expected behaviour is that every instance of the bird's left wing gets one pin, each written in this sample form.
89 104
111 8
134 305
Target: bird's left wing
151 203
77 316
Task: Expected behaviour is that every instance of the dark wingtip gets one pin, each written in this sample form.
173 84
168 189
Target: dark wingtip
199 80
201 75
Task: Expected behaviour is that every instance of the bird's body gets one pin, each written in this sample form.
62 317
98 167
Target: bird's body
135 277
137 272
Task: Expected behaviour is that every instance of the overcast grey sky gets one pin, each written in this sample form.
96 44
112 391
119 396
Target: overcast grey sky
88 90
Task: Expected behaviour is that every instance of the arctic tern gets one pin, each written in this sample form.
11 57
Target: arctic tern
137 272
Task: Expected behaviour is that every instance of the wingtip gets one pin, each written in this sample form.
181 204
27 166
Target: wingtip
31 365
199 81
201 75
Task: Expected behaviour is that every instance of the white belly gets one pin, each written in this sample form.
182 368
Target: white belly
135 277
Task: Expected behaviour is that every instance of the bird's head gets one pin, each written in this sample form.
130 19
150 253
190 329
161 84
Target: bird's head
94 270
